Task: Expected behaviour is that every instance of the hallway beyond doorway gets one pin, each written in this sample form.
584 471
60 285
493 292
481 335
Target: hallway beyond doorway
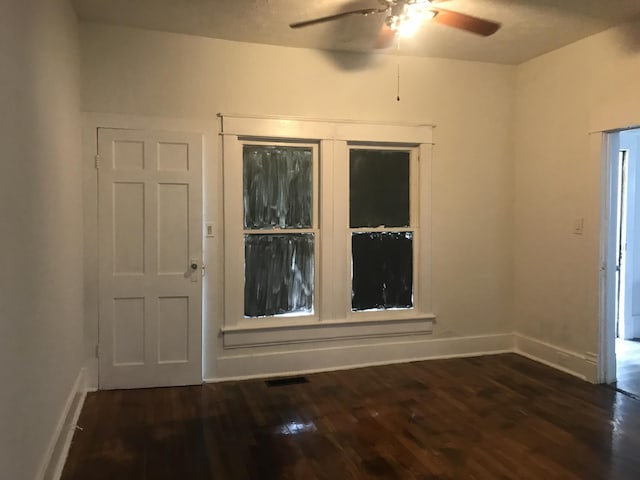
628 361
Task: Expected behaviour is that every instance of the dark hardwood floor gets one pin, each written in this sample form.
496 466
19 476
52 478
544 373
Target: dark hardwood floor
628 359
495 417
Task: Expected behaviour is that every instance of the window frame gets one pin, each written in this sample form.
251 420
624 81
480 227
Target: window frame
314 229
333 318
414 228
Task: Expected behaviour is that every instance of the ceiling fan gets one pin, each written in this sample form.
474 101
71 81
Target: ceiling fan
404 17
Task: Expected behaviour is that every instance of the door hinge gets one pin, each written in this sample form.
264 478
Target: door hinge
97 160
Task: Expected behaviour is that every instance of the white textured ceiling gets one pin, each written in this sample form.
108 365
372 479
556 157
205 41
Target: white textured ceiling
529 27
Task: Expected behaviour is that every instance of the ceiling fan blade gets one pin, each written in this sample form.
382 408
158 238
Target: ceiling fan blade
465 22
385 38
315 21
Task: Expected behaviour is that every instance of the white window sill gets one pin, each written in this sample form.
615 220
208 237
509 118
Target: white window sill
257 332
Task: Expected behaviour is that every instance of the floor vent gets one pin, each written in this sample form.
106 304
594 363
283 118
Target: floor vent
281 382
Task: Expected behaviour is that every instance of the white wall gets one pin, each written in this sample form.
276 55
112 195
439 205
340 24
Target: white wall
135 72
41 318
560 98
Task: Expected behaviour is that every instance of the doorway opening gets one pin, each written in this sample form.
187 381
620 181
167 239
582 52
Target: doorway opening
624 234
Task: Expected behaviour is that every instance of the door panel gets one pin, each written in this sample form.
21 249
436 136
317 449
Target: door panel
150 227
128 154
128 228
173 329
173 156
128 331
173 228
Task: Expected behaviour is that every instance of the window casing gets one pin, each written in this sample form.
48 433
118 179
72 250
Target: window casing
336 220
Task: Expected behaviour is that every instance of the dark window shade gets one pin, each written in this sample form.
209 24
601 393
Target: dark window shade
382 268
378 188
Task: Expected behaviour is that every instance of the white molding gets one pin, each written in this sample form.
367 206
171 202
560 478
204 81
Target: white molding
295 362
425 227
325 120
583 366
242 336
602 148
334 321
309 128
204 125
56 455
306 361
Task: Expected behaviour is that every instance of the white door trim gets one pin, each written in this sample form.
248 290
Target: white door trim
212 211
605 147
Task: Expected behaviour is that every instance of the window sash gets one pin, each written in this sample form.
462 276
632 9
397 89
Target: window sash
289 230
366 274
314 182
274 196
290 281
414 227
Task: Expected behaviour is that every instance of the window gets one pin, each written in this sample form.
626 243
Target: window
279 229
326 229
381 227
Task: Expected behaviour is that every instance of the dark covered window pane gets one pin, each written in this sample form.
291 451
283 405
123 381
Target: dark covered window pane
378 188
278 186
278 274
382 268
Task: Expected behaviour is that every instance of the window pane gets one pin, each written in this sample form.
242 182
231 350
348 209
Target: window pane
382 268
278 274
278 188
378 188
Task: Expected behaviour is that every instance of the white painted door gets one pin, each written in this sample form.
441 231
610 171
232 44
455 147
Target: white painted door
150 270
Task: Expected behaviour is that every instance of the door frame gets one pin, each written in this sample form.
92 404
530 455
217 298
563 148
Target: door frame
608 144
212 213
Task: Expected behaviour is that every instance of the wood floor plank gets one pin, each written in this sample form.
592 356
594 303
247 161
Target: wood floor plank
628 366
492 417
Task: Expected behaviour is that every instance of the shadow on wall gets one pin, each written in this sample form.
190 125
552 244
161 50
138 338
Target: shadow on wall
629 34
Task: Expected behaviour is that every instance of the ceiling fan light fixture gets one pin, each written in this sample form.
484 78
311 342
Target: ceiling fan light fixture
406 17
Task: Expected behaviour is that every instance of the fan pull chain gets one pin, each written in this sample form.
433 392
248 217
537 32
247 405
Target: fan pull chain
398 79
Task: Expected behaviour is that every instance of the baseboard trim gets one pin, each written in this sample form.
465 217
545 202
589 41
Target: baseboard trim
274 364
583 366
56 454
